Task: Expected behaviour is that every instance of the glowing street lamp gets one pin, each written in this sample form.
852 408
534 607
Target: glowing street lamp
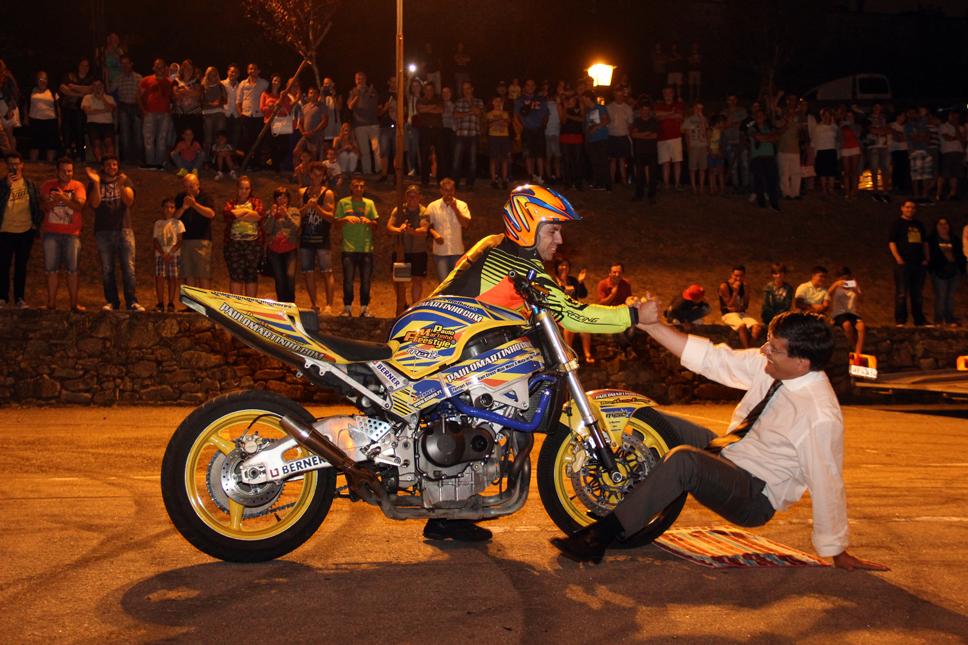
601 74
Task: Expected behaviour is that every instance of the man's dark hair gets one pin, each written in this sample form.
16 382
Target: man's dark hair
167 200
818 269
107 158
617 264
588 94
844 272
778 267
13 155
738 267
64 161
807 335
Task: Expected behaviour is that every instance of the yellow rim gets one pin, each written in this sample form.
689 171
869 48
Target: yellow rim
219 437
571 451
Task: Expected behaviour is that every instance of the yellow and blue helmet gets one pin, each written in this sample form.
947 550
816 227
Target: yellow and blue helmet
529 207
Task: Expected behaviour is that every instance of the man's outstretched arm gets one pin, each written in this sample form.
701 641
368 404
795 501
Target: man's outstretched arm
669 337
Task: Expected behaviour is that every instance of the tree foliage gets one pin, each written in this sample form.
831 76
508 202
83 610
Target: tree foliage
298 24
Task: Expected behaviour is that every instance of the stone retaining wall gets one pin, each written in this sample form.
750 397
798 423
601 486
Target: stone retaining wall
105 358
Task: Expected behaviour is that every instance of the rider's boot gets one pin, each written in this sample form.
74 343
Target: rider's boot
589 544
459 530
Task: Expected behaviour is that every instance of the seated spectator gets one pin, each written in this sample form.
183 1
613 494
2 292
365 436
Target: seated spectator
331 170
688 308
223 155
167 238
614 291
347 150
300 174
811 296
844 296
575 288
734 299
187 154
777 294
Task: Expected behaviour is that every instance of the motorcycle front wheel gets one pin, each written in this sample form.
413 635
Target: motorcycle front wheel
208 502
572 483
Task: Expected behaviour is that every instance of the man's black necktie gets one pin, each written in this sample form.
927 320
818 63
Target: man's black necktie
716 445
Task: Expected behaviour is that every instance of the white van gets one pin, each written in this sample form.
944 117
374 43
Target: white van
857 88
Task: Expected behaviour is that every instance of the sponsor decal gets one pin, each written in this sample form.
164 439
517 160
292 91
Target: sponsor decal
863 371
394 381
482 363
456 309
425 392
421 353
299 465
437 336
269 335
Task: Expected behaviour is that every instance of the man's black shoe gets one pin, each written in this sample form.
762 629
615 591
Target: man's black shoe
459 530
589 543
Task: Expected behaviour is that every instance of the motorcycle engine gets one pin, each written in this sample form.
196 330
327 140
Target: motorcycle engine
457 459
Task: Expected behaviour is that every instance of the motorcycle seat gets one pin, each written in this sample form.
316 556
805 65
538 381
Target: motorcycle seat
353 351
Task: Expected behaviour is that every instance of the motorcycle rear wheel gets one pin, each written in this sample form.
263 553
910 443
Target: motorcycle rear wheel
569 493
209 505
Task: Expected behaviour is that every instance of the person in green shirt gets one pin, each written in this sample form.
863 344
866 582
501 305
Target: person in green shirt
357 217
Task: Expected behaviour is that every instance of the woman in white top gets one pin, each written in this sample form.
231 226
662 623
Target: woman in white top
43 120
825 136
99 109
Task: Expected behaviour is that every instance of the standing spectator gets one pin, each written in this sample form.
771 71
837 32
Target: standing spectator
717 161
187 95
620 117
851 156
243 239
233 120
462 65
777 294
156 92
73 89
187 155
318 204
947 266
249 106
411 226
670 113
572 118
126 86
388 129
358 217
110 59
826 136
42 119
737 154
530 119
596 140
63 200
167 240
734 300
880 160
676 66
448 217
445 156
332 104
364 103
21 216
953 139
788 154
498 141
688 308
99 109
553 136
276 107
281 228
922 172
898 146
347 152
313 123
909 247
574 287
214 101
812 295
194 208
411 137
696 129
763 161
694 72
933 127
431 67
645 132
659 63
9 109
845 295
468 112
111 196
429 121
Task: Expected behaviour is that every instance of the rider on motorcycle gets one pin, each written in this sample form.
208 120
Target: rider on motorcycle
532 233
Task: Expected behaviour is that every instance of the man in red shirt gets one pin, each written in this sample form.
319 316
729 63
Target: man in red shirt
670 113
63 200
156 93
614 290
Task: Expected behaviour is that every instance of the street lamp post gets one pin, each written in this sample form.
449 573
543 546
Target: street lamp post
398 157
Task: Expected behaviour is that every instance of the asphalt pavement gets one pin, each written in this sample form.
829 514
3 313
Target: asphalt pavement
89 555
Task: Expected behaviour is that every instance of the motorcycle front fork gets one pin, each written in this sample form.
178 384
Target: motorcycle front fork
567 361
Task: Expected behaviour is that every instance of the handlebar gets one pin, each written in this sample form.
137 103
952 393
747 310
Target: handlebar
526 287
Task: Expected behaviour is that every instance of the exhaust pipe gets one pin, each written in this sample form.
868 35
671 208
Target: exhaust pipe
362 482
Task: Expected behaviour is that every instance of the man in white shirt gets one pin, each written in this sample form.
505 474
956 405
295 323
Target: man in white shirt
233 125
248 103
794 444
953 139
449 217
620 118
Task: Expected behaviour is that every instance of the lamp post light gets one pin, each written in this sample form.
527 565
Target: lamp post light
601 74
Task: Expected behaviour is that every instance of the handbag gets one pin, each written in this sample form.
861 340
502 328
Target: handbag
281 125
401 271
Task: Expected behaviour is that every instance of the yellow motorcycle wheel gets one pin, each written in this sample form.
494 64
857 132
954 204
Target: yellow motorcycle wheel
210 505
572 484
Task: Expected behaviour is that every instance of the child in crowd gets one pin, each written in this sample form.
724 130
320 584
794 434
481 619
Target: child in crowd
281 229
334 176
777 294
717 162
498 141
300 174
224 155
187 154
844 296
167 239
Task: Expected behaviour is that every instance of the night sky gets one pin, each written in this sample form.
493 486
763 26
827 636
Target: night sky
922 52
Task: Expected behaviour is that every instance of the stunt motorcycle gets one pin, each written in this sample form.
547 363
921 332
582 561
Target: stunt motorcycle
448 409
